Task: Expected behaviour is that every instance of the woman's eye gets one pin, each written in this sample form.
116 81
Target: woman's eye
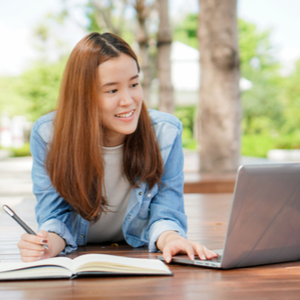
112 91
134 85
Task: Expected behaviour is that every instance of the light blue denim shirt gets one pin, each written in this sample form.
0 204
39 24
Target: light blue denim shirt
149 212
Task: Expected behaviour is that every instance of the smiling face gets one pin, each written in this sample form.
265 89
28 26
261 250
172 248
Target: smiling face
121 98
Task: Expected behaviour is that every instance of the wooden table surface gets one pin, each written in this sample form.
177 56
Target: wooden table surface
208 217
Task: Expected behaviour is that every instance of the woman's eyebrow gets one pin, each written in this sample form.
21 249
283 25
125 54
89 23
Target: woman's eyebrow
134 77
114 83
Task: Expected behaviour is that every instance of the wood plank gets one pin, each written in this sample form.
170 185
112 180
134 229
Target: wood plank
209 183
207 219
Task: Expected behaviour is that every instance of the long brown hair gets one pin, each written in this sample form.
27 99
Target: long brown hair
75 159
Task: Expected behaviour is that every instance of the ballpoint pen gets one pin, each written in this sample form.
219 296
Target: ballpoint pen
11 213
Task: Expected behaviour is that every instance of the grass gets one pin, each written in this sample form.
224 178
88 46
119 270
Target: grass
256 145
18 152
259 145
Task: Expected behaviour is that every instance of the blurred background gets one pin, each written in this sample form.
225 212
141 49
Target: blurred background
37 37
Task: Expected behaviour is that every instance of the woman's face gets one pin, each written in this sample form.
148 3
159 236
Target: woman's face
121 98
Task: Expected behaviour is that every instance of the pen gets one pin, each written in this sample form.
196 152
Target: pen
11 213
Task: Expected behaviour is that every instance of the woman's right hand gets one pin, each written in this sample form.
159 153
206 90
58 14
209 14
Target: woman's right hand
31 246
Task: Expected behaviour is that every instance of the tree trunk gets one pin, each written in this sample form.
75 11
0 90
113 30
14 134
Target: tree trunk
143 42
142 13
220 108
164 40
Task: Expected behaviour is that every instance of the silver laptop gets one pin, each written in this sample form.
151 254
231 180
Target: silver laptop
264 223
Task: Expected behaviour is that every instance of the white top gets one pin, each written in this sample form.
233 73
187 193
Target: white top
109 226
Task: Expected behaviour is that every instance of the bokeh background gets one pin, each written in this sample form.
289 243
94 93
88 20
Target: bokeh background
37 36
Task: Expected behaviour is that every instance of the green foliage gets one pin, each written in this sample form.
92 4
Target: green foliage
259 145
91 14
11 101
257 54
186 31
40 87
262 109
18 152
23 151
256 145
34 93
110 15
187 114
290 98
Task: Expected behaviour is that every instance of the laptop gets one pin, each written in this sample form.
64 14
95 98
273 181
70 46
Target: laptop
264 223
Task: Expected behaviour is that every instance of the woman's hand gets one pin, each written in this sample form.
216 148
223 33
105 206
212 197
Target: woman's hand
31 246
171 243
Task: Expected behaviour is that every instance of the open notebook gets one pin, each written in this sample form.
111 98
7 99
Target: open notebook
264 224
84 265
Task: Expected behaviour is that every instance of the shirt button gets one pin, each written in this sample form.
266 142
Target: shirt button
82 236
148 195
140 193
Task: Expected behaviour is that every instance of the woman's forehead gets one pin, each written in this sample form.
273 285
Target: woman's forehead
120 65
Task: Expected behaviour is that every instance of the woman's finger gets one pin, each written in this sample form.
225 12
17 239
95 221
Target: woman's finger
200 250
34 239
30 246
203 252
167 254
30 259
189 249
31 253
210 254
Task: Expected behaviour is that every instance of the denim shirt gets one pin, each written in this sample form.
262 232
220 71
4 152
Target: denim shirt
149 212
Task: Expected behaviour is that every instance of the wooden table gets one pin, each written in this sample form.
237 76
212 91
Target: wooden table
208 216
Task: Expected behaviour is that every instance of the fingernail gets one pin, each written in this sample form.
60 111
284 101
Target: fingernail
168 258
192 257
42 252
203 257
44 241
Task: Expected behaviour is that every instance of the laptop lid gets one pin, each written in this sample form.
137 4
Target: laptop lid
264 223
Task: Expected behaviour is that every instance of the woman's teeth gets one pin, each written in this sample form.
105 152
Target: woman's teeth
125 115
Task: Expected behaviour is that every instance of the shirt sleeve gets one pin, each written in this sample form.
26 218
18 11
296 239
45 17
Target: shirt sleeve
167 207
53 213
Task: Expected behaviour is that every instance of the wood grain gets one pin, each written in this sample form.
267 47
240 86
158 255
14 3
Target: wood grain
195 182
208 219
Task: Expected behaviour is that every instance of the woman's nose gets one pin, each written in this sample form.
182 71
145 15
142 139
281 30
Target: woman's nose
126 99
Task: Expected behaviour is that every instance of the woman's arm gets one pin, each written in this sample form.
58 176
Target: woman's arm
168 222
53 213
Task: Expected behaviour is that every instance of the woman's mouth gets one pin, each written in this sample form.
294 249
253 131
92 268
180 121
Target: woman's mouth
126 115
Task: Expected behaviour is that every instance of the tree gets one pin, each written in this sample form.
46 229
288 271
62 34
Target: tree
40 87
220 109
143 10
164 40
186 31
290 98
101 16
262 110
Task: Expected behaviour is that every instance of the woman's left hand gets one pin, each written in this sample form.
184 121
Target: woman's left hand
171 243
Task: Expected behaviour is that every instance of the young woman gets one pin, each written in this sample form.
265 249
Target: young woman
105 169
